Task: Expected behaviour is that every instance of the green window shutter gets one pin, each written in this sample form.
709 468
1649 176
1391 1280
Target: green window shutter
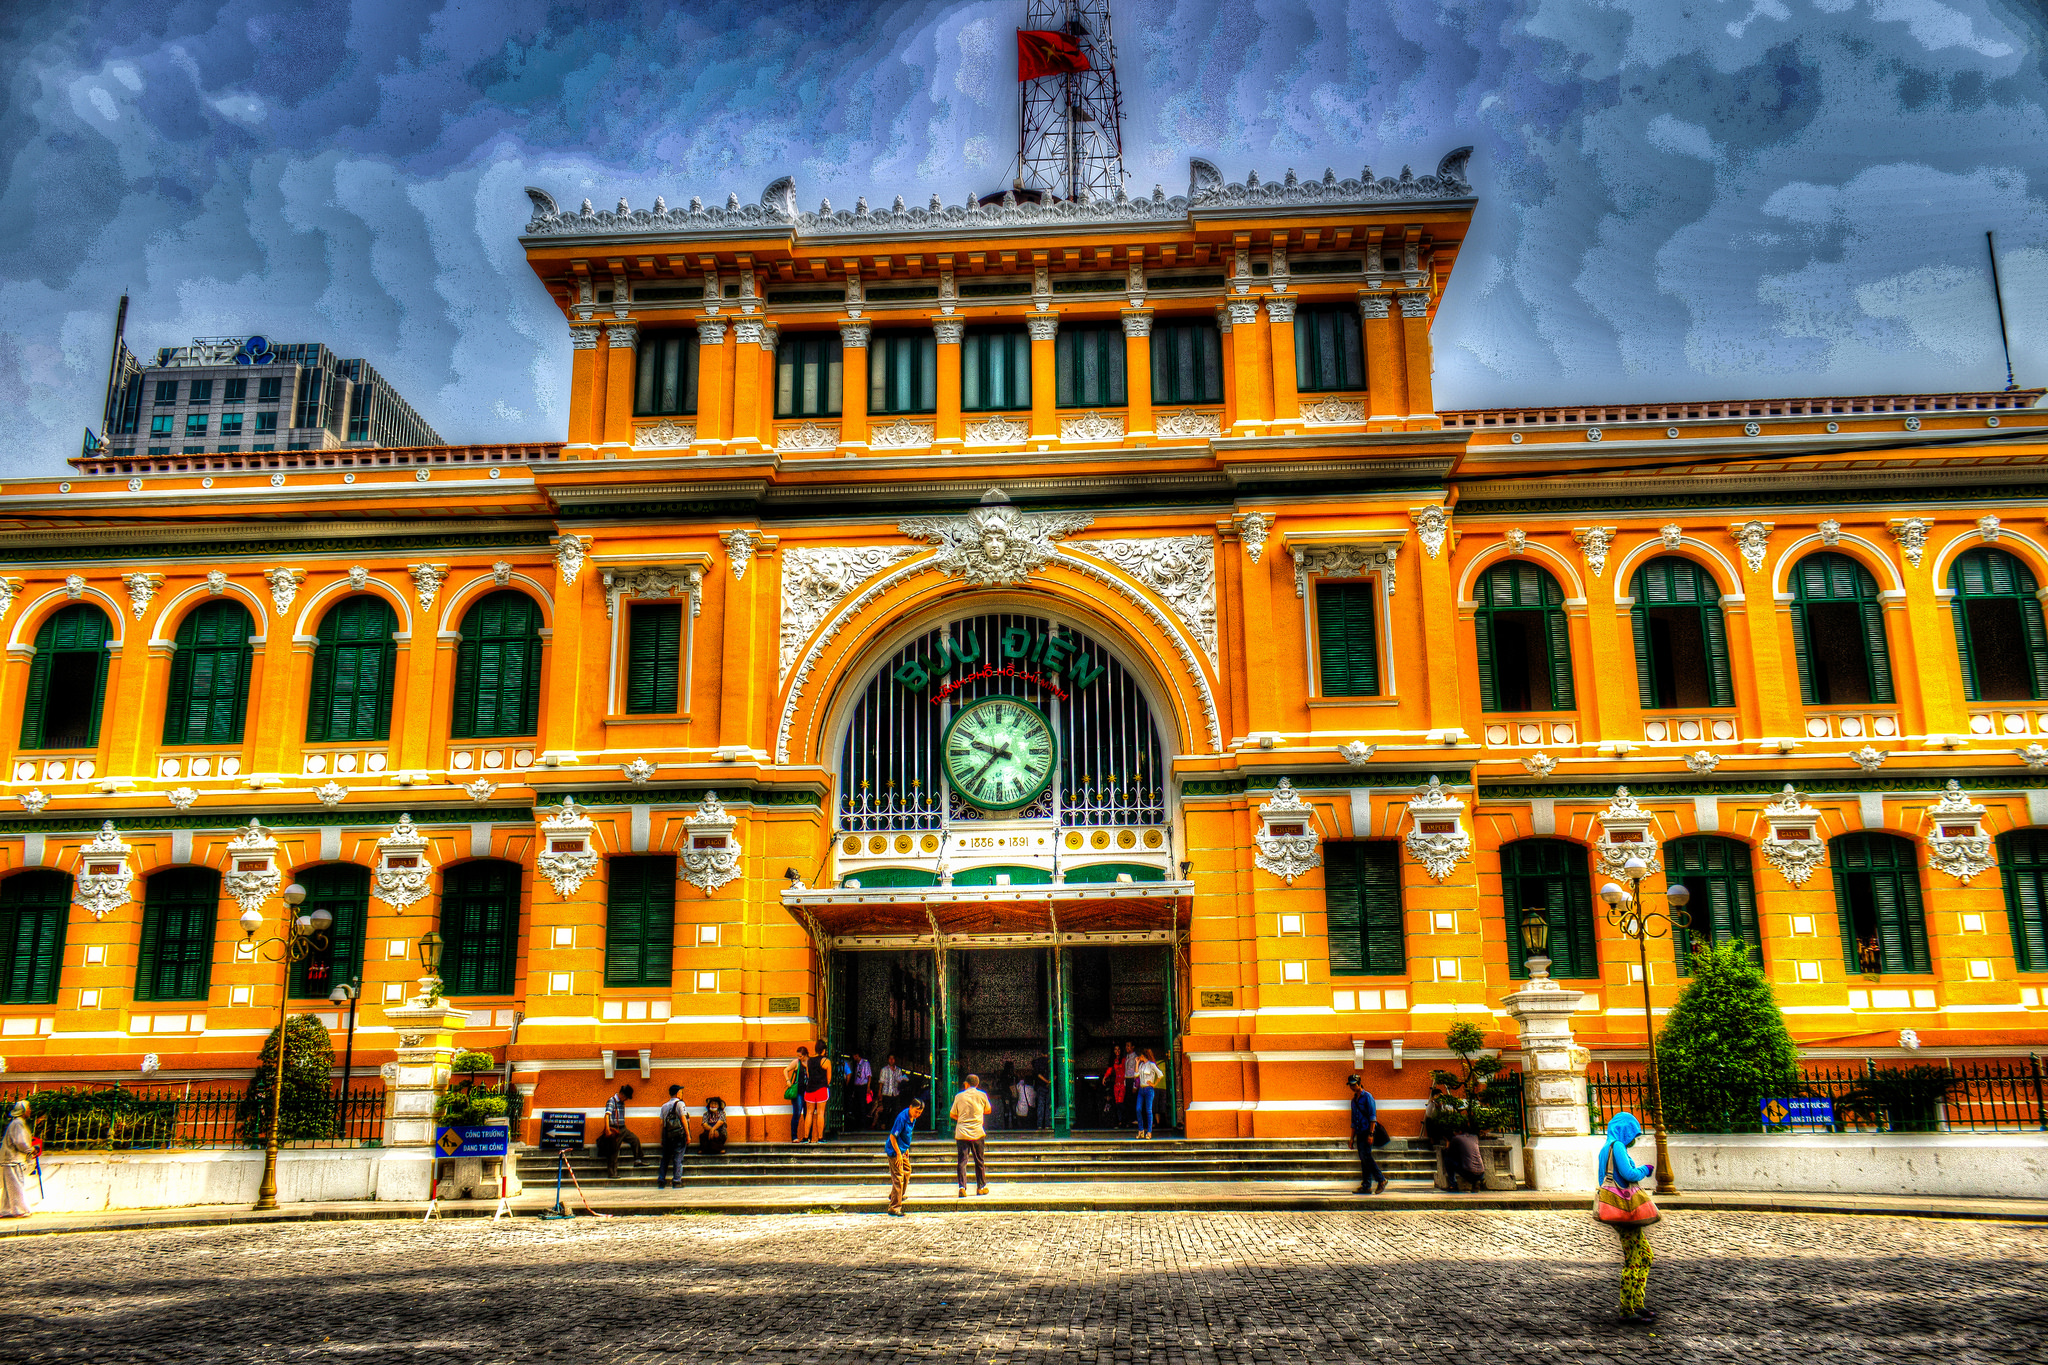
1720 677
1639 625
38 691
1585 957
2022 863
497 671
462 721
1380 895
653 659
1959 619
640 922
179 911
320 726
1838 866
480 927
2037 645
35 909
1347 655
1343 908
1482 646
178 696
343 890
103 665
1872 612
1912 916
1803 655
1557 631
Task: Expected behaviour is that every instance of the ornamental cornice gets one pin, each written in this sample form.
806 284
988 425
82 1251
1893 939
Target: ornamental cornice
1343 556
653 581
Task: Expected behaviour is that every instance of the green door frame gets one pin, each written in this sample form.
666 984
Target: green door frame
1062 1042
942 1036
1173 1113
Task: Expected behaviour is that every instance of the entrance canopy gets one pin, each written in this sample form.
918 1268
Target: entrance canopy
997 916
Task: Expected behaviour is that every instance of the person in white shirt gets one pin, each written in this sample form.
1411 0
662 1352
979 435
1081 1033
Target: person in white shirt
889 1091
1027 1102
1149 1076
970 1108
1130 1105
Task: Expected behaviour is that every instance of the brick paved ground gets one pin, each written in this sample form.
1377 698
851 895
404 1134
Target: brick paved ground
1109 1288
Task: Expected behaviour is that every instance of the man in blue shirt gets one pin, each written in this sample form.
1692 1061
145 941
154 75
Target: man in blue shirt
899 1155
1364 1116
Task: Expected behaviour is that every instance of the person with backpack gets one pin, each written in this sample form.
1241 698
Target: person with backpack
675 1139
1365 1116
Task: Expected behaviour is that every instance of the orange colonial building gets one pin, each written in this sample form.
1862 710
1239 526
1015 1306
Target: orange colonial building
988 631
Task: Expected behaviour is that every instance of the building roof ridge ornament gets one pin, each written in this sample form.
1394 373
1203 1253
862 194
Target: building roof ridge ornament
1207 189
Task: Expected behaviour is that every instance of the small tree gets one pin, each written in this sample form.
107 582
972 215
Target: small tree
1724 1046
1471 1109
308 1113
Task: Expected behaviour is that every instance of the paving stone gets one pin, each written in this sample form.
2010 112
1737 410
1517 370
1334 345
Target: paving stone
1150 1289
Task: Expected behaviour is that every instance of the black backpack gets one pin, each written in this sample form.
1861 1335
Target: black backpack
673 1129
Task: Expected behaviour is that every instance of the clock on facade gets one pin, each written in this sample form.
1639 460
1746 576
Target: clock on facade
999 753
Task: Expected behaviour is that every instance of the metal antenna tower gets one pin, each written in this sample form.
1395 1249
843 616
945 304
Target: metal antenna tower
1070 142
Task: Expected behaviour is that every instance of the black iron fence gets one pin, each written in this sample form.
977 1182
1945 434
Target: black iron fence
187 1117
1996 1095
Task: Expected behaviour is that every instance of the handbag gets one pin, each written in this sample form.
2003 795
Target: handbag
1380 1136
791 1093
1624 1205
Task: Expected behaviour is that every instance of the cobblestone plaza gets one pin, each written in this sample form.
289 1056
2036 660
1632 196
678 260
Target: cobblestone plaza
1102 1288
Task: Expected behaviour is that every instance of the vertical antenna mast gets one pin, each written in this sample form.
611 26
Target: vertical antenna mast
1998 293
1070 122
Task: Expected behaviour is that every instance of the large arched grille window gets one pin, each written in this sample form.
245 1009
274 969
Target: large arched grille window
1112 767
1838 633
1999 633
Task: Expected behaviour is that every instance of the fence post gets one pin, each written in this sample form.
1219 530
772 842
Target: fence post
2040 1112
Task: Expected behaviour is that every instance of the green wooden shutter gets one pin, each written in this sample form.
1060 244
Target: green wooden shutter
1891 938
2037 645
1845 916
1879 657
1803 655
102 666
1912 916
1380 896
653 659
320 725
624 923
1347 653
387 679
1482 647
179 912
1720 677
462 720
2023 860
343 890
1959 620
658 923
1343 908
1639 626
1585 957
178 696
34 910
1557 630
38 690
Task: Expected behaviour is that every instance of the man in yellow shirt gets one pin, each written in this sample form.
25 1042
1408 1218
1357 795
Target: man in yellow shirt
970 1107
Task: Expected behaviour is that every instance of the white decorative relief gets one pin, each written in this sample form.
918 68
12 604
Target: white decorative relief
73 586
357 576
216 582
1794 847
33 800
1288 843
1254 529
104 876
426 581
1702 761
182 797
996 431
798 676
8 588
1438 838
568 852
900 435
1958 846
1343 561
1594 540
638 772
664 435
1671 534
1753 538
1830 532
501 573
1870 758
330 792
1987 529
1432 528
739 550
1188 422
141 589
1091 569
995 545
1539 765
2035 756
1911 533
284 587
252 876
402 871
1625 834
654 581
1357 753
814 581
807 436
481 790
1181 569
1332 412
1092 426
569 556
711 855
1043 326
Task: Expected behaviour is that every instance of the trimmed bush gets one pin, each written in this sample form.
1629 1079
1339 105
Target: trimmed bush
308 1113
1470 1107
1724 1046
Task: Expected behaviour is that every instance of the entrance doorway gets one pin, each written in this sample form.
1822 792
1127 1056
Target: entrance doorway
1015 1017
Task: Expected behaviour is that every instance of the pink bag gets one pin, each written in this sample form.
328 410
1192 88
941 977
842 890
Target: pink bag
1625 1205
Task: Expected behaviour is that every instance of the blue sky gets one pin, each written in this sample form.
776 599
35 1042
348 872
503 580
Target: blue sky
1679 198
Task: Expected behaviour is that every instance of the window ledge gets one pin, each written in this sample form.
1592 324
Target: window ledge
1315 702
647 720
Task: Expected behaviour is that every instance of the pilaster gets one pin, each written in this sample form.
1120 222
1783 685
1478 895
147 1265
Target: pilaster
747 391
714 385
853 385
947 434
1415 362
1280 346
620 352
1138 372
1386 389
1045 418
1251 369
586 371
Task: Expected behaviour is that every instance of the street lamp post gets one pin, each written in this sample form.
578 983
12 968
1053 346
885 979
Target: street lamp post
1625 912
348 991
303 936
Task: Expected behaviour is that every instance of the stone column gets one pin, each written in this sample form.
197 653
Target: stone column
426 1045
947 422
1558 1151
622 340
1138 372
1045 419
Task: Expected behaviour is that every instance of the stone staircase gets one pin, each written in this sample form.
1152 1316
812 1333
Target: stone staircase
1110 1158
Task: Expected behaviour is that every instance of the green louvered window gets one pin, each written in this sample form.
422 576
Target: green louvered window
209 692
903 372
479 927
654 658
2023 867
1347 645
1838 633
640 922
1877 897
1723 906
1550 875
1088 367
497 669
1524 641
995 370
179 909
343 891
1187 361
1329 350
34 909
1362 901
1681 640
354 665
67 682
1999 633
809 370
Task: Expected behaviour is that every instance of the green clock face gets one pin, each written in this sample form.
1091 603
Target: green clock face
999 753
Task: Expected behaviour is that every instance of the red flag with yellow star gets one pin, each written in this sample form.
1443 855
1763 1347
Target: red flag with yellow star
1047 53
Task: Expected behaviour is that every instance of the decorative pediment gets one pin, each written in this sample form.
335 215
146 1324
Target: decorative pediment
1181 569
568 851
104 875
1956 841
1794 847
1625 833
996 544
1437 837
711 853
654 581
403 870
1289 845
1317 556
252 876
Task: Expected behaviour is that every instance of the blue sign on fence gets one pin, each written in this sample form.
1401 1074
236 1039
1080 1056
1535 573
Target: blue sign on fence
1818 1109
459 1142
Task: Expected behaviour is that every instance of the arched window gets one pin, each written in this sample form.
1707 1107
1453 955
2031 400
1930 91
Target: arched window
1524 641
1681 643
209 693
68 680
479 927
2023 866
1716 871
1877 896
34 909
497 668
179 907
353 667
1838 633
343 891
1999 633
1550 875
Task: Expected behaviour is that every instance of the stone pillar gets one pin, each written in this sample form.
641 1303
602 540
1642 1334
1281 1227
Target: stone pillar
1558 1151
622 340
1045 418
947 422
1138 372
426 1044
853 384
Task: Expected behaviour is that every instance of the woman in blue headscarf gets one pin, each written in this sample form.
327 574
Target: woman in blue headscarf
1618 1167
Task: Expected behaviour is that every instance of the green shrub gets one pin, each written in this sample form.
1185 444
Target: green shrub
1724 1046
110 1118
1903 1098
467 1108
1470 1107
308 1113
472 1063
